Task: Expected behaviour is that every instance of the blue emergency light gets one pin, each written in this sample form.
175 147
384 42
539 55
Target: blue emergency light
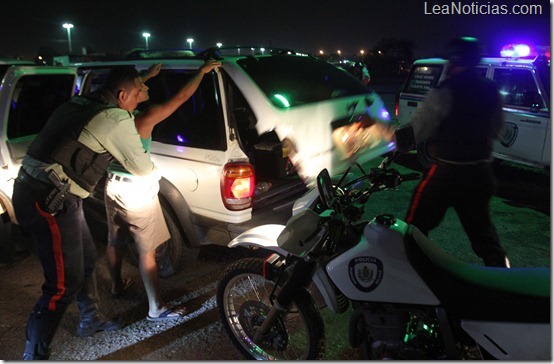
515 51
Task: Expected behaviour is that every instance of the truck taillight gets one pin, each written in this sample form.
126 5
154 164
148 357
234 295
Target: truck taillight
237 186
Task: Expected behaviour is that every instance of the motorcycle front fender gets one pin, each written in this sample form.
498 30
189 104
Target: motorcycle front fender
263 236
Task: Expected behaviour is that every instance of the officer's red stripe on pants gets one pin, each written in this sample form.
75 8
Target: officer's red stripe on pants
58 257
418 193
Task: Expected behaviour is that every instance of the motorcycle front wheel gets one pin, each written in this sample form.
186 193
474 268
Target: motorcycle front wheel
243 303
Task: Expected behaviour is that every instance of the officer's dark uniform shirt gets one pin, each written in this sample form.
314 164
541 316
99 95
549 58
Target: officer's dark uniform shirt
461 117
110 130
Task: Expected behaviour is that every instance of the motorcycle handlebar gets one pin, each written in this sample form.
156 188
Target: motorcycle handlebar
410 177
380 179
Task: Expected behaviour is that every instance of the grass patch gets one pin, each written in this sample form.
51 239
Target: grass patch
524 227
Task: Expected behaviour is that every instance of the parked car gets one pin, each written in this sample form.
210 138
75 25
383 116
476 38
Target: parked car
236 155
524 81
6 63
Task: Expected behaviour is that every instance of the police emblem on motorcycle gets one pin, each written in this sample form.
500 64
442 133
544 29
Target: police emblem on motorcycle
365 273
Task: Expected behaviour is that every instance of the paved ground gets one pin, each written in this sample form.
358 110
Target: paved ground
197 336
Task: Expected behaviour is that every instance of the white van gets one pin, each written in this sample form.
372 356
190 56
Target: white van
525 86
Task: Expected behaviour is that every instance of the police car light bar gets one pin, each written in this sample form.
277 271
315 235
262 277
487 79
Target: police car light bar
515 51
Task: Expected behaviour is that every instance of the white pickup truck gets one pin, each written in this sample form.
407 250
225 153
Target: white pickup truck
235 155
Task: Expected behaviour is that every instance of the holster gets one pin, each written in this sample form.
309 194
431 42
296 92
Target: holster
50 196
58 195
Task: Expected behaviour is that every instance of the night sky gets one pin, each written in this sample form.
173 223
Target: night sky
116 26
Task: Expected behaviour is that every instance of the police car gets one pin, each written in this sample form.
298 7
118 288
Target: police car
523 76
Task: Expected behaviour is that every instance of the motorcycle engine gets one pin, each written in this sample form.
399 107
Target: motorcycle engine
394 333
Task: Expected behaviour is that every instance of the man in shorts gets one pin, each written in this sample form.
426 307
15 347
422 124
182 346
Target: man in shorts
133 208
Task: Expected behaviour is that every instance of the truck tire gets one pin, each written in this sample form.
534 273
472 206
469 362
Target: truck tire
175 254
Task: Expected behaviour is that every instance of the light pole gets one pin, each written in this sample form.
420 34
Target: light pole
68 26
190 40
146 35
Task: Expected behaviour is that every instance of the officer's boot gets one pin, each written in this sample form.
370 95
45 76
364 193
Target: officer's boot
41 328
90 321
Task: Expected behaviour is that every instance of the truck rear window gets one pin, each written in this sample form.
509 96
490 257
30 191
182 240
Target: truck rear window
289 81
422 78
198 123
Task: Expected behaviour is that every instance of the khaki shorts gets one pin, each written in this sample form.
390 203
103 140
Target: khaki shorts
134 212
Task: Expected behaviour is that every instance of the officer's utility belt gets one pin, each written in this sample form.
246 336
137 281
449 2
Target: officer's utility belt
54 193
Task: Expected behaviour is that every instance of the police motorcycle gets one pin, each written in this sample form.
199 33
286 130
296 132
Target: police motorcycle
409 298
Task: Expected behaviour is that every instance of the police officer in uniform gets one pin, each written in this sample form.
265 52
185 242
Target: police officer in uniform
61 168
460 119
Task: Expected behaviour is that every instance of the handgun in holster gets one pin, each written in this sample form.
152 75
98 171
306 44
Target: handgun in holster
58 195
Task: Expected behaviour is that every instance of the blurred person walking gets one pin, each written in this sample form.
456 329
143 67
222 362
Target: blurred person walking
460 118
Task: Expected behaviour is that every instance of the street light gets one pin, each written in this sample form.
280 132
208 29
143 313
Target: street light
68 26
146 36
190 40
219 45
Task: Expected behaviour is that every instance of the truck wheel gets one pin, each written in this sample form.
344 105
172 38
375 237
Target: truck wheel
175 254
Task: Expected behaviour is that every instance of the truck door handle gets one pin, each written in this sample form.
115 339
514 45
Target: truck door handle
531 121
412 103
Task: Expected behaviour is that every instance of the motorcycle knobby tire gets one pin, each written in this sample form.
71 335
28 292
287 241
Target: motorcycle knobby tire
304 310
